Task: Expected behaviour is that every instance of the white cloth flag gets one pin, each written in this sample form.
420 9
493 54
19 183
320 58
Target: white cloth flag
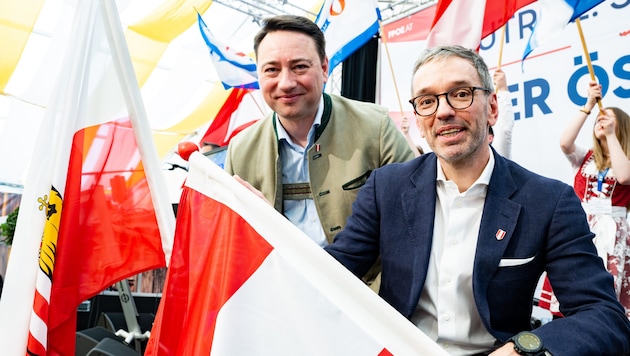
347 25
236 69
243 280
460 23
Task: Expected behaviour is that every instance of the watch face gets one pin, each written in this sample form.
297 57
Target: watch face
528 342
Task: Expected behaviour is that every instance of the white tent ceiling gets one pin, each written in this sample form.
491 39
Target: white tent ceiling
173 90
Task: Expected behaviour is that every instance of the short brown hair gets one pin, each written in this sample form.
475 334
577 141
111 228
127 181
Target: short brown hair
293 23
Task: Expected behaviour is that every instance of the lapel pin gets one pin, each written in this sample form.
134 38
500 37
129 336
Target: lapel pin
500 234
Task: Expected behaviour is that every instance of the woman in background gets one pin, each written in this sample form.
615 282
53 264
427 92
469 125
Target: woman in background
602 182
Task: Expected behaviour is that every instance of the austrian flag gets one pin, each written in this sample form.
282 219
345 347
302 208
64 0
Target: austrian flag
244 281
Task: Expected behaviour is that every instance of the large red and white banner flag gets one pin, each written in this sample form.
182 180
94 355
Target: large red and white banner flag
87 201
465 22
243 280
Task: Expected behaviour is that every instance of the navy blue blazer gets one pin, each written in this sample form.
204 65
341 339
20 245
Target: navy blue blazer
545 229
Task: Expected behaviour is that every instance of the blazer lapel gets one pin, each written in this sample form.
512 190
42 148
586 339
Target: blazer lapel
418 207
498 222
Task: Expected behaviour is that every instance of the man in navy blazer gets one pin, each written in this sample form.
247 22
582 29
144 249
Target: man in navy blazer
465 234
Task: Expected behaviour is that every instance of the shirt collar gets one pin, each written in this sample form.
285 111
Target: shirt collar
284 135
484 178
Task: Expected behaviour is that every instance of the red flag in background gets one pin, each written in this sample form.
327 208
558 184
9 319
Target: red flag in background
217 133
243 280
87 200
466 23
108 228
239 129
498 13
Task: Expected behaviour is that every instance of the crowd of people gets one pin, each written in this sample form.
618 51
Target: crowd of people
460 235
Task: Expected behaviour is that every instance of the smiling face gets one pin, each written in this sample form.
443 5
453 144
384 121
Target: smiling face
456 136
291 74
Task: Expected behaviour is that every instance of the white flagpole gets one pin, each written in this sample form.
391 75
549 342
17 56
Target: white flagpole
142 130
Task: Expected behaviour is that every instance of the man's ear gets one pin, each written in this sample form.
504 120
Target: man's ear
325 65
493 109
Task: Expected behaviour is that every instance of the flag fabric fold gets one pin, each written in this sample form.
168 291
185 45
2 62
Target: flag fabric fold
236 69
218 132
347 26
553 17
243 280
86 201
466 23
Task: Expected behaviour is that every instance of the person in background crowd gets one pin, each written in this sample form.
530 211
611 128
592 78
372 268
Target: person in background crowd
404 127
312 154
602 182
465 234
208 146
501 132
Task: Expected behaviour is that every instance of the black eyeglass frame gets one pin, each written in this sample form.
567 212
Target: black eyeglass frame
412 101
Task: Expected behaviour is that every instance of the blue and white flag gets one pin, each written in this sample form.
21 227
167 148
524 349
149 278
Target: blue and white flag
236 70
553 17
347 25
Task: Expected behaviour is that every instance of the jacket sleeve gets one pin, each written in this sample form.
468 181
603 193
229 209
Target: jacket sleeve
583 287
357 245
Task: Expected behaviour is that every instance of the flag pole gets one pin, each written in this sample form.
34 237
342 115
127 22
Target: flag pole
140 123
588 59
391 68
256 102
501 46
150 161
501 49
408 138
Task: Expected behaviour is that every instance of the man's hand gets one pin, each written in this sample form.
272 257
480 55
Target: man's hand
251 188
500 82
505 350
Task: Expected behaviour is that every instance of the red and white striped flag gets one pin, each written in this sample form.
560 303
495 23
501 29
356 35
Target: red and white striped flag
229 121
243 280
87 199
466 23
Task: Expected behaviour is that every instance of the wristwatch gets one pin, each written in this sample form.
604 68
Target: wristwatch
528 344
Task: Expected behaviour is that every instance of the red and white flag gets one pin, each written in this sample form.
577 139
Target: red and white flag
87 200
466 23
243 280
229 121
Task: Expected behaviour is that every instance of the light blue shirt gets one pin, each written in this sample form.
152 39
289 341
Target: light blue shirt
294 158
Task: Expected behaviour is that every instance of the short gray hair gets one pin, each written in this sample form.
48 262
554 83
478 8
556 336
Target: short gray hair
443 52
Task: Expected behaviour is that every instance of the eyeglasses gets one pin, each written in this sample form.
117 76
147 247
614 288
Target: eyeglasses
458 98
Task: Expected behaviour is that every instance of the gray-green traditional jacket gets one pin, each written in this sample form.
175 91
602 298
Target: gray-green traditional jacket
353 139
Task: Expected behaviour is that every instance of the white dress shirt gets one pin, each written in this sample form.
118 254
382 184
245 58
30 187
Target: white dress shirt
294 158
446 311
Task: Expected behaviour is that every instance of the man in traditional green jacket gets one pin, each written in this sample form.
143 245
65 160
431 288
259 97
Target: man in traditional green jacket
312 154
